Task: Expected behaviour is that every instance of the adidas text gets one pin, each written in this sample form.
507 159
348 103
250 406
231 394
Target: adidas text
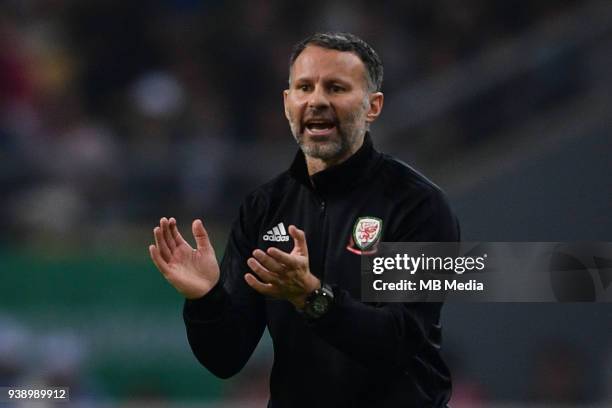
276 238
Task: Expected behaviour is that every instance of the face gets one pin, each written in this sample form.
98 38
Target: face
328 105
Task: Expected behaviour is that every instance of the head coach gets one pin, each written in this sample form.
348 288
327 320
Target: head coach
292 262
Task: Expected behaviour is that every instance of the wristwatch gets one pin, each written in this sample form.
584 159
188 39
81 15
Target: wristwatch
319 302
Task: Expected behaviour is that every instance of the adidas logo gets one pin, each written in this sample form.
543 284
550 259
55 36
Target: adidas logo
277 234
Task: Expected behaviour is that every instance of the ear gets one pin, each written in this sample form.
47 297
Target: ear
285 96
376 104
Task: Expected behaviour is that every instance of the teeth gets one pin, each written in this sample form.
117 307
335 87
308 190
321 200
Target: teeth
320 126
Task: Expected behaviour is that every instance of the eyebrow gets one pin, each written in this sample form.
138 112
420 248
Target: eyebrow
326 81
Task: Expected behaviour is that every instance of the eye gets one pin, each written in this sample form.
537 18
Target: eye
337 88
303 87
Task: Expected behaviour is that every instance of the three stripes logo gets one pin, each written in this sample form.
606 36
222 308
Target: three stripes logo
277 234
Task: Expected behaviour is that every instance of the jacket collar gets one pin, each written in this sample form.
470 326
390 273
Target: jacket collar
341 177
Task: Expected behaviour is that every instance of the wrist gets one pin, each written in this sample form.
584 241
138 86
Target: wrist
313 283
201 290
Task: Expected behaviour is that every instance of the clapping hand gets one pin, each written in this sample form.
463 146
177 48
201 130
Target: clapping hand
192 271
284 275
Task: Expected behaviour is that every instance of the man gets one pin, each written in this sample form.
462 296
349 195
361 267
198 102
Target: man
339 198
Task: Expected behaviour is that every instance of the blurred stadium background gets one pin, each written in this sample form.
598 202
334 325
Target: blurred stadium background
115 113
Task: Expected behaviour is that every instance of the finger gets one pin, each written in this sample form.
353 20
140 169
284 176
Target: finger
263 288
158 260
178 238
200 235
284 258
268 262
160 242
263 274
165 226
299 239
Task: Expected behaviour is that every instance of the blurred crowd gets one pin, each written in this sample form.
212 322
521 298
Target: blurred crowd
30 360
114 113
62 357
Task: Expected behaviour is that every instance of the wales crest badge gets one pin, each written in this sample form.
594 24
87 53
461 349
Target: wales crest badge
366 234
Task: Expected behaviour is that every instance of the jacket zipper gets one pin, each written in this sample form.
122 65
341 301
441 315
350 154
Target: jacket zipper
323 219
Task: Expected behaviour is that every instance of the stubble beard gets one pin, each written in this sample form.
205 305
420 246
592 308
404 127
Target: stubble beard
336 148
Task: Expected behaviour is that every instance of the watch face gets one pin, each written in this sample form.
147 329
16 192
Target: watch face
320 305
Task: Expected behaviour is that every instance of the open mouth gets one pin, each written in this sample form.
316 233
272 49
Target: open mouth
319 127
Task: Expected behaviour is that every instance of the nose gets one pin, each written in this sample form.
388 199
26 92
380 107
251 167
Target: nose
318 98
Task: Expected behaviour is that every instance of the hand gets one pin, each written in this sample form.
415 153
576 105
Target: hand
192 272
284 275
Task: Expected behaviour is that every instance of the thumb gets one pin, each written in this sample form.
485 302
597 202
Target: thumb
200 234
299 239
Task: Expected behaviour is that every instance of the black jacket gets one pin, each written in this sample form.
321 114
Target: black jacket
357 355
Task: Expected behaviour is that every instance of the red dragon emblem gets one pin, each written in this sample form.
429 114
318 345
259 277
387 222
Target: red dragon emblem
366 233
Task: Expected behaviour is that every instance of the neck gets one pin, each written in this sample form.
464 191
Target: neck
316 165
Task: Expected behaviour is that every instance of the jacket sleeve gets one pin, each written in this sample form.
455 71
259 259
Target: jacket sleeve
387 336
225 325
